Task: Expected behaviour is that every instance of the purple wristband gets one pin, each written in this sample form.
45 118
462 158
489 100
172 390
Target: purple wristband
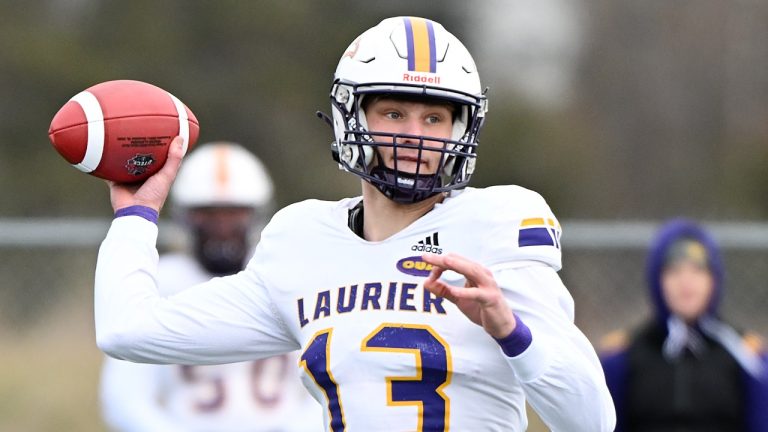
517 341
145 212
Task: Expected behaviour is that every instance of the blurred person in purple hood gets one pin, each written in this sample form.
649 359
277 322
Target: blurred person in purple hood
685 369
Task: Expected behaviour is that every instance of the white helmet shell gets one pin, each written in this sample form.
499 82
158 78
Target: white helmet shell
222 174
407 56
411 50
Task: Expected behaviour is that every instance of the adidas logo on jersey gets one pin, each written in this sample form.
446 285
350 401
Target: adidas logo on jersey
430 245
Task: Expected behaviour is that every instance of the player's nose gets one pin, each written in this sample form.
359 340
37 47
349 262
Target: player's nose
412 129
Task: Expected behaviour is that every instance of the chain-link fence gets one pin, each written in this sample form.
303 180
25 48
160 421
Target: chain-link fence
46 303
45 262
47 265
604 268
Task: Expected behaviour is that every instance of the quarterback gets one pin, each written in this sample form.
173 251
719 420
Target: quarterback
423 304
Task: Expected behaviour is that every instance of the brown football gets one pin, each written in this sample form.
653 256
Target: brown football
121 130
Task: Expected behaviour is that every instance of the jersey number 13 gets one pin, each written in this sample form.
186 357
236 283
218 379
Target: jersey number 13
423 390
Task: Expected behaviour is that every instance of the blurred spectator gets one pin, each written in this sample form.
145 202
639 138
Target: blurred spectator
222 196
685 369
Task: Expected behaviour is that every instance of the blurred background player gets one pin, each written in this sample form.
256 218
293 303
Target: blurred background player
222 198
685 369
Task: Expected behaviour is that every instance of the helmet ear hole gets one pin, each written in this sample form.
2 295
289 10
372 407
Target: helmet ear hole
361 106
368 153
450 161
460 123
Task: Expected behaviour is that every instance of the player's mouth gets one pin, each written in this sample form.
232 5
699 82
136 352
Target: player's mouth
413 159
411 163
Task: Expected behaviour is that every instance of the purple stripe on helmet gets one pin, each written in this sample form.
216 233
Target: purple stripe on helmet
432 49
411 49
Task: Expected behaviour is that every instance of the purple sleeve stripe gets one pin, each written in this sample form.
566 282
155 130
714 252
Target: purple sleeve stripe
517 341
147 213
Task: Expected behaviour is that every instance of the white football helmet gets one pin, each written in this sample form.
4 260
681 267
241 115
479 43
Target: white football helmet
222 196
413 57
222 174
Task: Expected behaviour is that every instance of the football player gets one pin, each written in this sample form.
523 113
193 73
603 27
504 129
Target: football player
222 197
392 338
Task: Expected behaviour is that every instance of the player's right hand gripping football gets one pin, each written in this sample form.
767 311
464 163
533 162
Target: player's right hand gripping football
154 191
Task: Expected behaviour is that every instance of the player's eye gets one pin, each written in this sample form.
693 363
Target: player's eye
434 119
393 115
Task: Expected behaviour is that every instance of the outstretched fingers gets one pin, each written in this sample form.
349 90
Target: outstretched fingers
480 299
439 288
481 286
442 289
471 270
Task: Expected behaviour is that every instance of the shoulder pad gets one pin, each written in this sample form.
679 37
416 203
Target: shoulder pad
519 226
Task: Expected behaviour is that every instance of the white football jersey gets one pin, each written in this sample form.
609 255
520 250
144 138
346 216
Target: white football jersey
263 395
378 351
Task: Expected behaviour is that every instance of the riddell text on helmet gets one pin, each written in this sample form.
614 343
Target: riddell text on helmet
421 78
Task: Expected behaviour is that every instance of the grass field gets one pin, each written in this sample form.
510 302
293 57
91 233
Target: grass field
49 375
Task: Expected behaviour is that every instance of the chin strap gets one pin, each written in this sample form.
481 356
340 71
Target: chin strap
404 188
324 117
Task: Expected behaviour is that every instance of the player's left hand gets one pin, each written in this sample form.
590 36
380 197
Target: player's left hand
481 299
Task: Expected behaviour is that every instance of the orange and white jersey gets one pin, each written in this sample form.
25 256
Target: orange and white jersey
263 395
378 351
